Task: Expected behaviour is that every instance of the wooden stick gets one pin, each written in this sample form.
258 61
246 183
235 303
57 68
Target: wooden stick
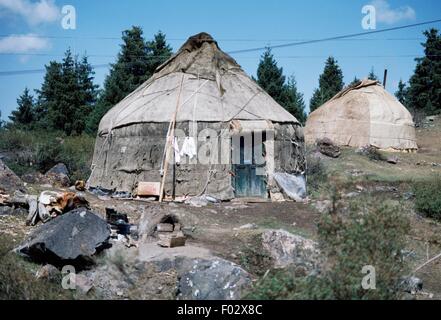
427 262
169 142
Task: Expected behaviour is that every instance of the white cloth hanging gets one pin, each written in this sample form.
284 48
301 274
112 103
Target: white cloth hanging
188 148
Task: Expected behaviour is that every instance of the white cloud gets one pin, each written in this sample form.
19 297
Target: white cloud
26 43
388 15
34 12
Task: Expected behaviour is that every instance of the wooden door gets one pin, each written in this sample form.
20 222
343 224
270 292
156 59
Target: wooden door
249 179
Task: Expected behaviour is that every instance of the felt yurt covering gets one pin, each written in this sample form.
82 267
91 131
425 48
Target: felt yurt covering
364 114
210 91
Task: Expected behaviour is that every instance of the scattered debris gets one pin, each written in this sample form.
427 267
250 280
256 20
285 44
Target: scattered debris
112 216
287 249
80 185
165 227
294 186
171 240
72 238
121 229
148 189
328 148
51 204
170 234
197 202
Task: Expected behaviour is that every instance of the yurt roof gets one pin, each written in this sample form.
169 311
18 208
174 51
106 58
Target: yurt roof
209 84
363 114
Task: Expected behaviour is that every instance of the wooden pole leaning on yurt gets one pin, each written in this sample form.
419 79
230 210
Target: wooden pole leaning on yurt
169 141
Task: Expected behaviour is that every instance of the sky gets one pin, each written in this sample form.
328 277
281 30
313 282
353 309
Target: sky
32 34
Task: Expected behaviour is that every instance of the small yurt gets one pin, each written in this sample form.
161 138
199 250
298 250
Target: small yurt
364 114
199 125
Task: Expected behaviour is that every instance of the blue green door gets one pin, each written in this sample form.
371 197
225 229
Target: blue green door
249 171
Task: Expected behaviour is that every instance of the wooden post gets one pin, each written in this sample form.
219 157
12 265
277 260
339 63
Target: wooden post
385 78
169 142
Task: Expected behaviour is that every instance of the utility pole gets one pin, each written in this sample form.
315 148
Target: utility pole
385 78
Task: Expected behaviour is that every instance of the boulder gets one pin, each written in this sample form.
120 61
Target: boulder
211 279
411 284
328 148
59 168
392 159
287 249
72 238
9 181
294 186
58 176
11 211
48 272
151 272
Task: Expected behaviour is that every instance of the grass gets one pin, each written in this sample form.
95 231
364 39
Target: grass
428 197
406 170
18 282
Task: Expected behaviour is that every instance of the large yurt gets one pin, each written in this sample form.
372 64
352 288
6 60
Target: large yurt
364 114
199 125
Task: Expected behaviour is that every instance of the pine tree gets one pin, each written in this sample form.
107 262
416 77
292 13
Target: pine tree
270 77
48 94
372 75
67 95
402 93
424 93
136 63
355 81
330 83
158 52
293 100
24 115
87 93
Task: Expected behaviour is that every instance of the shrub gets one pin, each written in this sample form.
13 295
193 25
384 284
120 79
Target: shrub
316 173
373 153
45 149
428 197
368 232
371 233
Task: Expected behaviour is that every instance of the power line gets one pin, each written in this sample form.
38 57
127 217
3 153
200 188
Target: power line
18 72
99 66
246 57
219 39
335 38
